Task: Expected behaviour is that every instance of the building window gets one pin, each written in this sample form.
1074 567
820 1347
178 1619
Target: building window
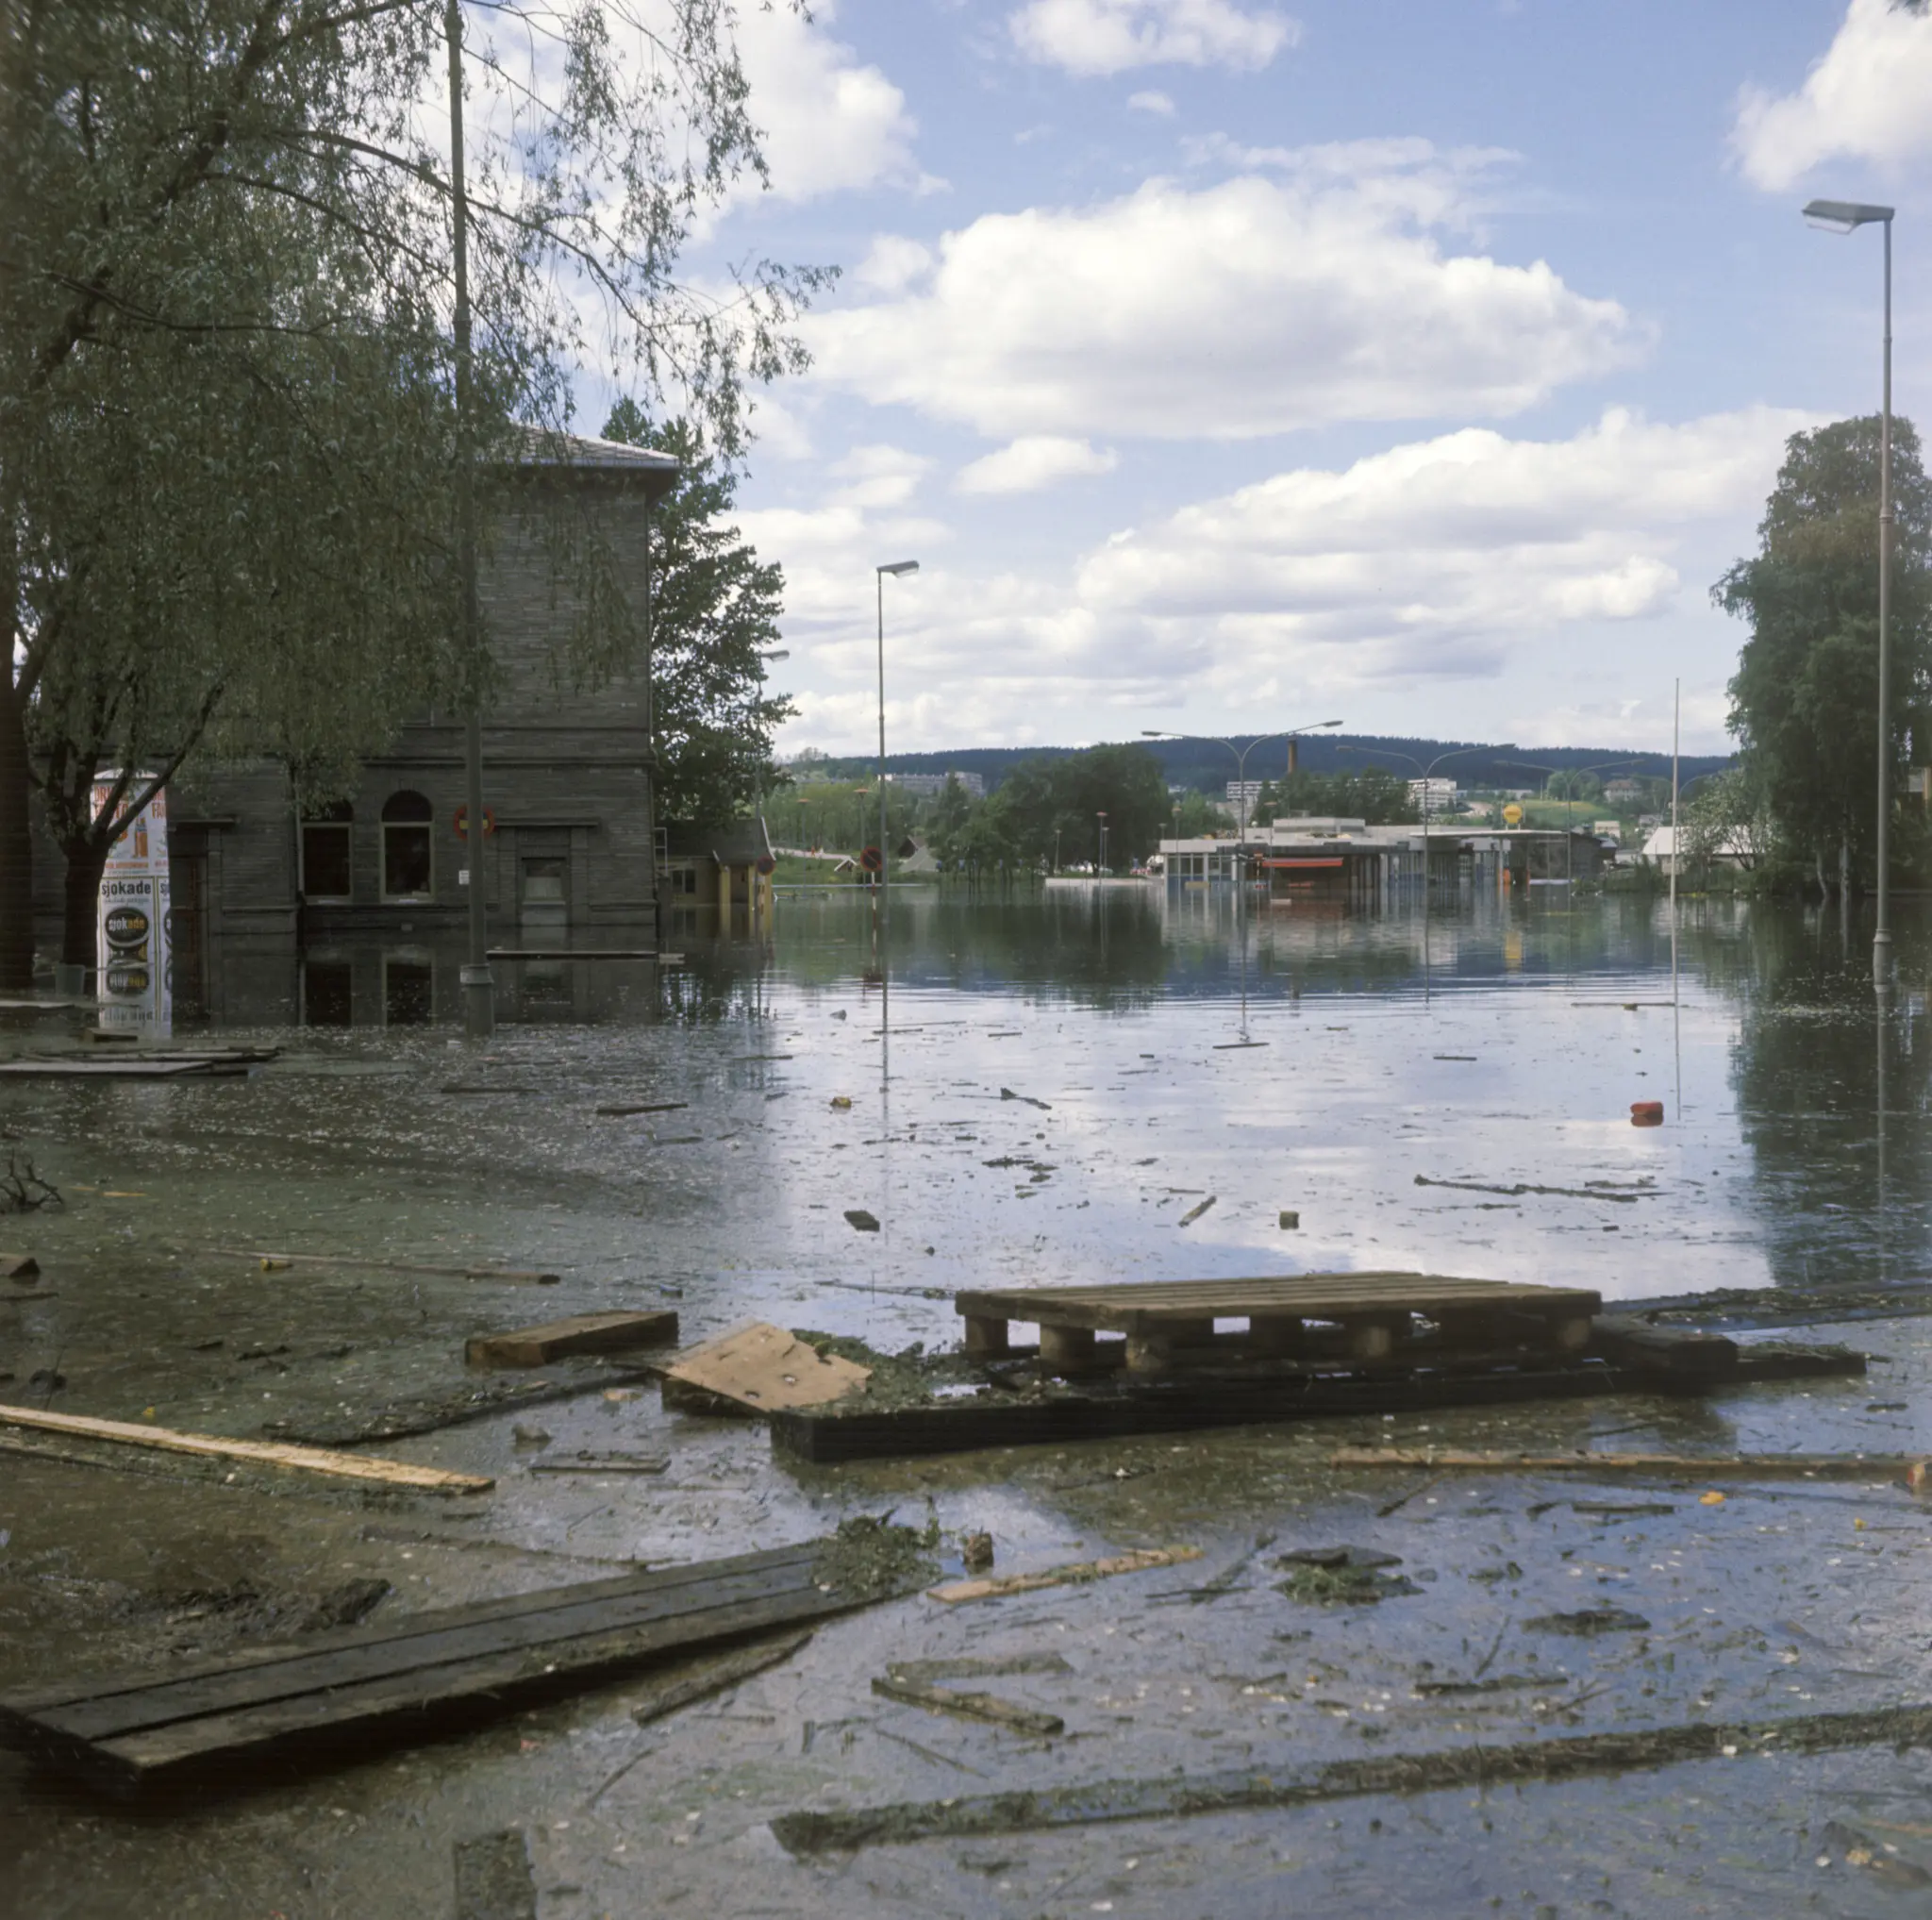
406 819
326 835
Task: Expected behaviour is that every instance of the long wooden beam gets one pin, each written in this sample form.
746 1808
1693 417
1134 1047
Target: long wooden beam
1803 1466
313 1459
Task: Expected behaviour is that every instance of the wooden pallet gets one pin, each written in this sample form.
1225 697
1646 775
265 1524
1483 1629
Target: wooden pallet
1368 1318
218 1720
1117 1409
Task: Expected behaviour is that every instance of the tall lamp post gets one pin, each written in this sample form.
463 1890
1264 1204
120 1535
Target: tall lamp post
479 991
1847 216
882 912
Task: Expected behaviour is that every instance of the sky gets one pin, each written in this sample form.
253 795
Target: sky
1229 366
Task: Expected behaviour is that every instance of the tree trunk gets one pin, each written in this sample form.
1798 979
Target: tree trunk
16 846
1844 868
80 910
1817 866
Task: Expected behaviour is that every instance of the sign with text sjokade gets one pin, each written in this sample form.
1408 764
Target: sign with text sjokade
134 983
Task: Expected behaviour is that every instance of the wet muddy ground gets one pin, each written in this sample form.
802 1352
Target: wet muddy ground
1792 1156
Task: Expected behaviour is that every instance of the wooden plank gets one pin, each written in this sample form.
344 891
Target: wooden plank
1614 1337
536 1346
299 1674
1185 1405
763 1369
428 1676
477 1690
955 1593
312 1460
672 1696
988 1707
1478 1765
118 1069
1802 1466
426 1626
371 1263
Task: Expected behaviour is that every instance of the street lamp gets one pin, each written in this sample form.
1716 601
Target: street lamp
1847 216
1100 863
1240 757
882 933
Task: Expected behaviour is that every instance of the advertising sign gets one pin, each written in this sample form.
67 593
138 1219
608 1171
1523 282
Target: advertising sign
134 981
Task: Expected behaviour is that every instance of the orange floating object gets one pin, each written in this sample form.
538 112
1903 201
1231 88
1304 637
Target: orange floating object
1646 1113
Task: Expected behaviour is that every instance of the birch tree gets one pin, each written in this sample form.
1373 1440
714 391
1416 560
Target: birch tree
225 432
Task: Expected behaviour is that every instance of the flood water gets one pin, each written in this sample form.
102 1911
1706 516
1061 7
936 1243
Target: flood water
1165 1049
1045 1088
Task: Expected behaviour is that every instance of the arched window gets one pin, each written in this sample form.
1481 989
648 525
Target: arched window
405 863
327 840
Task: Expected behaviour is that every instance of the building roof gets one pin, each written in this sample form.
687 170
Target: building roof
608 460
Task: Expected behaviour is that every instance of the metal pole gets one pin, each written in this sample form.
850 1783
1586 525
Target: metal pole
479 992
1881 938
882 905
1677 841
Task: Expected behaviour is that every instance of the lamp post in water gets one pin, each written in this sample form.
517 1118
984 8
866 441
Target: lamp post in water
1847 216
882 910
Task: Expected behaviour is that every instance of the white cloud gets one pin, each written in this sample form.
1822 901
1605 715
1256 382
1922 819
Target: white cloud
1870 98
1406 584
1035 462
1152 102
1442 557
892 265
1251 306
1093 37
879 475
830 123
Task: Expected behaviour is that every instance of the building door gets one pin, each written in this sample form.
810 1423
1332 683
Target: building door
188 922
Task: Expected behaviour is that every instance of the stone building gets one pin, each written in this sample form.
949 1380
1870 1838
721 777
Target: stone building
355 913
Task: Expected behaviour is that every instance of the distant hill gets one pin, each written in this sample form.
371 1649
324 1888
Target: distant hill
1207 768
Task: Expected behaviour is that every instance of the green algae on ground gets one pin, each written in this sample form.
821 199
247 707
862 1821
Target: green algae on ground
871 1559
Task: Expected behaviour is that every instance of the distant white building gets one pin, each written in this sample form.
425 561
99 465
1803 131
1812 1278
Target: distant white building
1733 850
1437 796
1243 793
928 786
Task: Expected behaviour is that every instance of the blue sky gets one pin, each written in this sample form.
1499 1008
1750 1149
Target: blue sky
1229 366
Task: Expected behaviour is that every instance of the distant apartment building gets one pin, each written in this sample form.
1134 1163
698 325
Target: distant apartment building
1437 796
928 786
1625 793
1243 793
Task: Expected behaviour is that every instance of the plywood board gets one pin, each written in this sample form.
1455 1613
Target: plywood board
763 1369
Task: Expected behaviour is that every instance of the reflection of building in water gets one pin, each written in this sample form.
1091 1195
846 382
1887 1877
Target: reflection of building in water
1331 858
568 845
